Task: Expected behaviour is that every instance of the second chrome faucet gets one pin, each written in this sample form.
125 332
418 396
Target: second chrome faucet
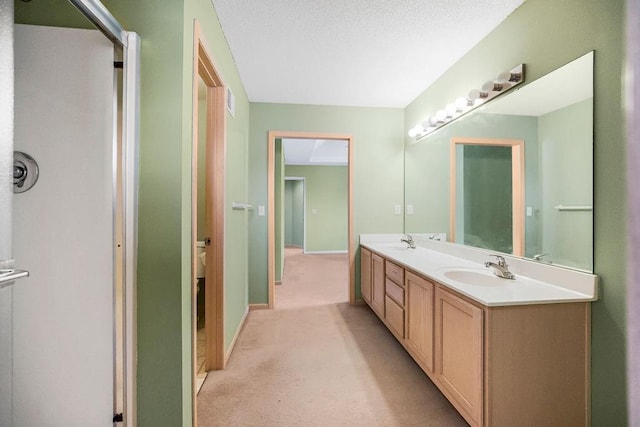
501 268
409 241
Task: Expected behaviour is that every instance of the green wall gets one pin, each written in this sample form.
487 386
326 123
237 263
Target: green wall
327 194
565 135
487 207
236 190
562 32
294 213
378 169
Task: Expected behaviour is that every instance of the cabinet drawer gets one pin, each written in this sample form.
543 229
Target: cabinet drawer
394 314
395 292
394 272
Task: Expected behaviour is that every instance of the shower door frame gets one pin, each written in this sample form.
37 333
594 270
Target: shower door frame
125 183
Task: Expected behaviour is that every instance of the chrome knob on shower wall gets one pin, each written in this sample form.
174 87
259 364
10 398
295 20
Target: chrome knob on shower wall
25 172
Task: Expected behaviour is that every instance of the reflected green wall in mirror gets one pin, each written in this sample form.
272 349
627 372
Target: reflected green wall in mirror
554 116
484 197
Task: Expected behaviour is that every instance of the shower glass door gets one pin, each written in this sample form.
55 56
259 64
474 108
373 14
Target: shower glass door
6 159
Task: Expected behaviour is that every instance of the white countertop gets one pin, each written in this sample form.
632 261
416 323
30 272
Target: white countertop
558 285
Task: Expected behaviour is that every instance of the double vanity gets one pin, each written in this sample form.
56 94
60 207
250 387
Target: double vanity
505 352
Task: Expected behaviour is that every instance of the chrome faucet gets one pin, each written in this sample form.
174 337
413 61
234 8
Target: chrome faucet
409 241
501 269
538 257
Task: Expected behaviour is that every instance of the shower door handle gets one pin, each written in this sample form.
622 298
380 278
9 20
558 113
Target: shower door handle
8 276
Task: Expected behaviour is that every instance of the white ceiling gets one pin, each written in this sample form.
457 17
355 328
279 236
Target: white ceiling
315 152
377 53
565 86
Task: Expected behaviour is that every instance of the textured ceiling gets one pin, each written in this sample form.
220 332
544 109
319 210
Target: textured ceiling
378 53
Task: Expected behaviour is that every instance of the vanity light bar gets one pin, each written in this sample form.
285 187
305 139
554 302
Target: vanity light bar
503 82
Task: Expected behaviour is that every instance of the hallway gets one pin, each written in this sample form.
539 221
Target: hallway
316 361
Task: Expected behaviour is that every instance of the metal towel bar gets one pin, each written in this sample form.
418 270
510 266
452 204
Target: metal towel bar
573 208
7 277
241 206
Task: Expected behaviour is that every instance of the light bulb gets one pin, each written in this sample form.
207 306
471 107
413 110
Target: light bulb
413 132
462 103
441 115
475 95
426 124
433 120
451 110
504 77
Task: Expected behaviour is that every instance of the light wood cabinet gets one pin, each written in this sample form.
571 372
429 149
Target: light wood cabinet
394 298
459 353
394 316
419 320
377 284
524 365
365 274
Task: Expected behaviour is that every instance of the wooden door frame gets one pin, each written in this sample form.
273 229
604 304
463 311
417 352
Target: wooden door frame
517 180
203 67
271 220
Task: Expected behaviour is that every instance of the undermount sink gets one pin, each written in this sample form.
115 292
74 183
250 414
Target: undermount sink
478 277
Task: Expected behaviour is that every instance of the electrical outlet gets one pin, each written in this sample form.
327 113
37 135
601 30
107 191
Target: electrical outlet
260 210
409 209
398 209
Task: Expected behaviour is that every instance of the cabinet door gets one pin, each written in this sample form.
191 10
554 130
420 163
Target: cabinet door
365 274
377 284
459 353
419 319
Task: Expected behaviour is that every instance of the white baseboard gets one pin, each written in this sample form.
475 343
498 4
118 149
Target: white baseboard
326 252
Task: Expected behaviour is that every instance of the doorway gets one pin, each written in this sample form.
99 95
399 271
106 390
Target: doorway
207 184
487 194
294 212
272 212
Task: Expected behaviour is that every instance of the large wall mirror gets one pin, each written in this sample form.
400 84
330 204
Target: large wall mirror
463 179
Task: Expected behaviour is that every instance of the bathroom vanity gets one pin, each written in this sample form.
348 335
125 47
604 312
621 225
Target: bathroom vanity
504 352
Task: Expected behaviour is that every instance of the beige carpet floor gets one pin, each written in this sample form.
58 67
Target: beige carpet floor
317 361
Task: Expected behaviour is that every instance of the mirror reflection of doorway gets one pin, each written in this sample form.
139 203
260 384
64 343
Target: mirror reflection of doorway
484 197
487 194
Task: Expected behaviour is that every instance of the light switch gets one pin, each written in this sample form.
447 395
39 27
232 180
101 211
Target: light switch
529 211
398 209
260 210
409 209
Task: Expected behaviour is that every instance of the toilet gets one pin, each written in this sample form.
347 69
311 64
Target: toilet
200 262
200 275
